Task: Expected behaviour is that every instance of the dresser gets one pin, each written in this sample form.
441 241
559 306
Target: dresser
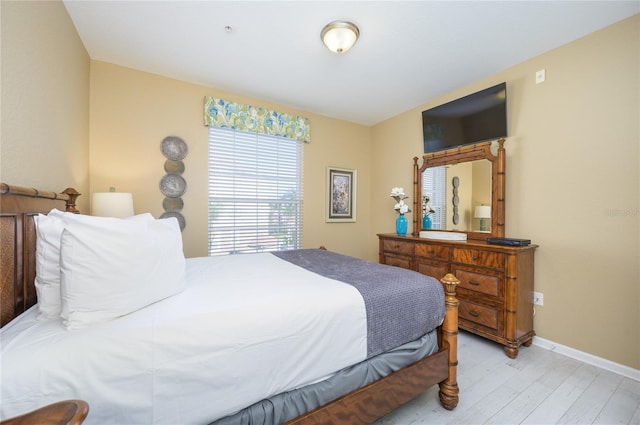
496 282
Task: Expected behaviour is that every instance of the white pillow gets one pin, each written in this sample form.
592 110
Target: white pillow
112 267
47 282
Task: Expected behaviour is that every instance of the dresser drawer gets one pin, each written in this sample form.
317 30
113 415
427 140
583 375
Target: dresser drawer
398 247
432 251
392 260
432 268
484 283
479 314
477 257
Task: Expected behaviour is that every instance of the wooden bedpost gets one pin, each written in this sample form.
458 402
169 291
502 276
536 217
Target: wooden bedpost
71 202
449 387
417 203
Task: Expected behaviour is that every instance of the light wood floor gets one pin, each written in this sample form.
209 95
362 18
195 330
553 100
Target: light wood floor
538 387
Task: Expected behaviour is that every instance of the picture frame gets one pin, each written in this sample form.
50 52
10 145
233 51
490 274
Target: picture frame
341 195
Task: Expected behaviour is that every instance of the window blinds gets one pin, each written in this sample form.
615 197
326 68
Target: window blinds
255 192
434 186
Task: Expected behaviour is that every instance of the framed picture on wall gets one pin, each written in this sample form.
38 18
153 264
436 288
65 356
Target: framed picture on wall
341 194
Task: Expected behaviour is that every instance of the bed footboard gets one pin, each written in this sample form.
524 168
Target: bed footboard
375 400
68 412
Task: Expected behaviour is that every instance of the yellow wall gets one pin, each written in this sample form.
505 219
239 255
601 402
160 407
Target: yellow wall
572 184
132 111
45 99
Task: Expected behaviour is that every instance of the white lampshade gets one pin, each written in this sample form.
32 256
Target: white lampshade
339 36
112 204
482 211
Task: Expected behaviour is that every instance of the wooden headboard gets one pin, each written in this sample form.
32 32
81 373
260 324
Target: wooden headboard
18 205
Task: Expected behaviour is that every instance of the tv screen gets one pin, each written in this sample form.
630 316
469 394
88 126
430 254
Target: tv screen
471 119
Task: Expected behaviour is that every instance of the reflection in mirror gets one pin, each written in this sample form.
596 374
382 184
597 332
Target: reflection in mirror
464 188
455 191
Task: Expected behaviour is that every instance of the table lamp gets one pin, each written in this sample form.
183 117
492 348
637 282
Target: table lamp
482 212
112 204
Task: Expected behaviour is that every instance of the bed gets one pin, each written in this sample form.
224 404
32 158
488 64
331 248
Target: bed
337 350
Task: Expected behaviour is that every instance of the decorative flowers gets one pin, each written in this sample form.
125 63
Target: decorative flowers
398 194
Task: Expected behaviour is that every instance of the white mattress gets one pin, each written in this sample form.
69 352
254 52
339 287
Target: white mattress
247 327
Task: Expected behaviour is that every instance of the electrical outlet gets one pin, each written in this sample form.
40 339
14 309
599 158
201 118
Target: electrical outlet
538 298
540 76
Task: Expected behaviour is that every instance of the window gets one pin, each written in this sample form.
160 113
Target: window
255 192
434 186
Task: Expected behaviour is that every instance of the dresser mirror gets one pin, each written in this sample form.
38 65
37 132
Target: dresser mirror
463 188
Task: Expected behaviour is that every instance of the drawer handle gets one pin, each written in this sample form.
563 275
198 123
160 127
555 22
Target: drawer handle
474 314
475 257
474 283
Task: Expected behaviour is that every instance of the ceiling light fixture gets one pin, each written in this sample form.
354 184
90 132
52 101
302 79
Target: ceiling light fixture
339 36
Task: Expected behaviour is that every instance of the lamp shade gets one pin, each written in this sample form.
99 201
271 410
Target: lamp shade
112 204
482 211
339 36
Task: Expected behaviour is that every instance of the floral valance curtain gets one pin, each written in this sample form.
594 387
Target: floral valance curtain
221 113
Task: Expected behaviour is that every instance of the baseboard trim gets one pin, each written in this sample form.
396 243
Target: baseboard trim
600 362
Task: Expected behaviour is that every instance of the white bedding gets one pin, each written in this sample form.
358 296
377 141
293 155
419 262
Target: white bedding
236 335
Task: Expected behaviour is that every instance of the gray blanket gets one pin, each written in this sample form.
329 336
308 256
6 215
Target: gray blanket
402 305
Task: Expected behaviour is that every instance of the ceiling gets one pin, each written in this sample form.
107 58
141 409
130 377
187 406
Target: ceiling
409 52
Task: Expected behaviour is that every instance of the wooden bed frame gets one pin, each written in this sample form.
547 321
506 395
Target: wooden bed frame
18 205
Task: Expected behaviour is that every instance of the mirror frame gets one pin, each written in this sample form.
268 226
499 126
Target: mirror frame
465 154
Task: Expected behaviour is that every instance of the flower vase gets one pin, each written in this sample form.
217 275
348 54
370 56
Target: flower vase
426 222
401 225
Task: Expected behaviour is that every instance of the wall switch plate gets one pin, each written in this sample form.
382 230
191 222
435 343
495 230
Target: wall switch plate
540 76
538 298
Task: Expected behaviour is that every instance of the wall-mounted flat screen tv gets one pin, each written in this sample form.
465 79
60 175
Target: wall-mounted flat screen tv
475 118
